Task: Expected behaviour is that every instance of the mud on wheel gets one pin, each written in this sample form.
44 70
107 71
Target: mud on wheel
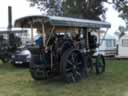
72 65
100 64
37 69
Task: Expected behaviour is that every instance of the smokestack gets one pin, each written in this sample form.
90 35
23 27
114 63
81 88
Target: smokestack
9 17
9 24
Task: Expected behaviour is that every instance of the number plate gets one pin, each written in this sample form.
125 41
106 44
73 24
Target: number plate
18 62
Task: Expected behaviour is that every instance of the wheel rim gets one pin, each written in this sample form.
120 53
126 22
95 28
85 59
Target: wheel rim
100 65
73 66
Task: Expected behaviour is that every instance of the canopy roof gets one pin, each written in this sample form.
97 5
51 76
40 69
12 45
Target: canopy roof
60 22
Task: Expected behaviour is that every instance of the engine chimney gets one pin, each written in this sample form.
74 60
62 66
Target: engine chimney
9 17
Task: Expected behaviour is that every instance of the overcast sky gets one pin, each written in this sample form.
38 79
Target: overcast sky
21 8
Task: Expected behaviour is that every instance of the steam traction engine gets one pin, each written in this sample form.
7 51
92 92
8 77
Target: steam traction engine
8 45
66 48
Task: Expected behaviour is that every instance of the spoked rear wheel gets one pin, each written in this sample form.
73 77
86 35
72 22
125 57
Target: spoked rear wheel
100 64
72 65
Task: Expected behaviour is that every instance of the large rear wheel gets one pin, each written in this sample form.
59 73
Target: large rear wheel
72 65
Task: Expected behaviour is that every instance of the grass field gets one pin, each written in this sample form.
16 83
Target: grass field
18 82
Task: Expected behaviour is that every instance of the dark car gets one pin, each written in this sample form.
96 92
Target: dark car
21 57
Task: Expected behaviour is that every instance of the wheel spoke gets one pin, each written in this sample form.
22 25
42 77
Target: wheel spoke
73 79
69 69
78 73
100 65
78 63
69 62
72 58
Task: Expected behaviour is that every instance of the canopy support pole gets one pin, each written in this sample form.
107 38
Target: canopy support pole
43 35
32 38
51 55
50 35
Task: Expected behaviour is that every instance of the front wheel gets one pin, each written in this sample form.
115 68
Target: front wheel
37 69
100 64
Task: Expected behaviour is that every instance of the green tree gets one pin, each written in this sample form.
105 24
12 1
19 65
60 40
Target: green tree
122 7
89 9
52 7
121 32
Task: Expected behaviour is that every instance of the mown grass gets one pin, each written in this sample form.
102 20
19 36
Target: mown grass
18 82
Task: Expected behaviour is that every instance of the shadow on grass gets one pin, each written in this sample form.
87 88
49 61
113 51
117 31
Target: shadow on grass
59 83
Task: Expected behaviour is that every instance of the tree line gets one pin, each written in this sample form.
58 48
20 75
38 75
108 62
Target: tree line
87 9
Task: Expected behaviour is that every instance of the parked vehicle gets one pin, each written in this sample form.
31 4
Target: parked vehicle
123 47
9 43
108 45
66 49
22 56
